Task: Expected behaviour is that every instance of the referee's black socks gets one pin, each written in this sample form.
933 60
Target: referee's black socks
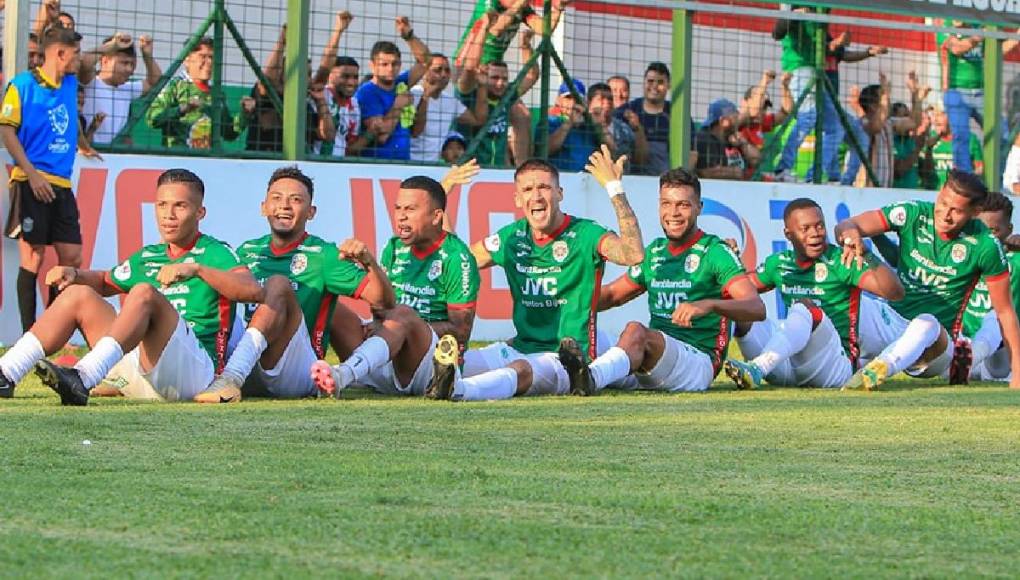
26 297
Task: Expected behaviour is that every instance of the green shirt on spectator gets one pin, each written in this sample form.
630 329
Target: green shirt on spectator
194 128
967 71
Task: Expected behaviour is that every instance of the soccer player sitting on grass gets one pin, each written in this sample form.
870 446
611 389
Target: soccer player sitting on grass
818 345
695 286
553 263
979 318
435 278
175 322
943 253
302 276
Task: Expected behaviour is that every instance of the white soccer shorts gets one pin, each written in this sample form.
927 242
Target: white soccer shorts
682 368
182 371
548 375
880 326
291 378
822 363
384 379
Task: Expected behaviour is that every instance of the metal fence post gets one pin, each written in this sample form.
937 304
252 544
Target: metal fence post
295 91
680 138
992 146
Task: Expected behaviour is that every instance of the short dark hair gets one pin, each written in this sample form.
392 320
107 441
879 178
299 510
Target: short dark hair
346 61
625 80
181 175
57 34
68 16
659 67
433 55
680 177
204 41
537 164
870 95
799 203
899 109
998 202
968 185
598 88
499 63
430 186
383 47
295 173
33 37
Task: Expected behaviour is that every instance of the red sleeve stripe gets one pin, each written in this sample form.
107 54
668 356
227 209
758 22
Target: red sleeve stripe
753 277
885 222
239 269
997 277
864 276
626 277
464 306
109 281
361 288
726 288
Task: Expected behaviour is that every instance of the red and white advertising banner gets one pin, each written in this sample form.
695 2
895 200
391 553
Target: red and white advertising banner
116 197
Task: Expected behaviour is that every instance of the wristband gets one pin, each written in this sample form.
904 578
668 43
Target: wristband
614 188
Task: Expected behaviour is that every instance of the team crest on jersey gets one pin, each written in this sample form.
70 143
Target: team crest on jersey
492 243
635 271
560 250
59 119
691 263
435 270
122 272
898 216
298 264
821 272
958 253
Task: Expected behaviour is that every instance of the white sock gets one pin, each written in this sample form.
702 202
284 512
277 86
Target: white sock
94 366
612 366
921 333
497 384
248 351
794 334
371 355
20 358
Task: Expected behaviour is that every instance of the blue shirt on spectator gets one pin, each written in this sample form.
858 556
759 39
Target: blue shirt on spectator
657 131
577 147
376 102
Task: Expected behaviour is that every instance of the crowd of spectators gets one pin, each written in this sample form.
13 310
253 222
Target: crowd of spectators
417 105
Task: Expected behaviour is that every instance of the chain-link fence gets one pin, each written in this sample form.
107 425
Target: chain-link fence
751 86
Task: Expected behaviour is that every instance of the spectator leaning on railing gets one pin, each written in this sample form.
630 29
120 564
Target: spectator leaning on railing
653 112
439 110
387 106
723 153
109 94
182 111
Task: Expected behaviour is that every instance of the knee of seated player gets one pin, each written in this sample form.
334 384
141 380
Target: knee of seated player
401 314
277 290
143 295
525 375
633 337
76 295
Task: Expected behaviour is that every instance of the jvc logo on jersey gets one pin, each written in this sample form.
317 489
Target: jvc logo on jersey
539 287
928 278
420 305
669 300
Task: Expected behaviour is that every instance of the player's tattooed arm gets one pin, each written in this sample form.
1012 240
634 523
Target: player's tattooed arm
881 281
850 234
64 276
619 291
461 321
743 305
627 248
1002 303
378 292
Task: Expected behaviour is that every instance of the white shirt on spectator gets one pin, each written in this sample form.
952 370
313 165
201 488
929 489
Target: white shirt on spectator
113 101
1011 175
442 114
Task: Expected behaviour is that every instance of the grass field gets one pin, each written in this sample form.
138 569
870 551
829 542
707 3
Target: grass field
912 481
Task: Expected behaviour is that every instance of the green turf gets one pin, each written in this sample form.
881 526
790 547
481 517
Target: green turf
912 481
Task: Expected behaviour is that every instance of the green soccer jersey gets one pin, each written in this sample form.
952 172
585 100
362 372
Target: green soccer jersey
494 47
980 302
942 156
904 146
554 283
835 288
702 269
207 313
799 46
967 71
442 278
939 274
316 273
